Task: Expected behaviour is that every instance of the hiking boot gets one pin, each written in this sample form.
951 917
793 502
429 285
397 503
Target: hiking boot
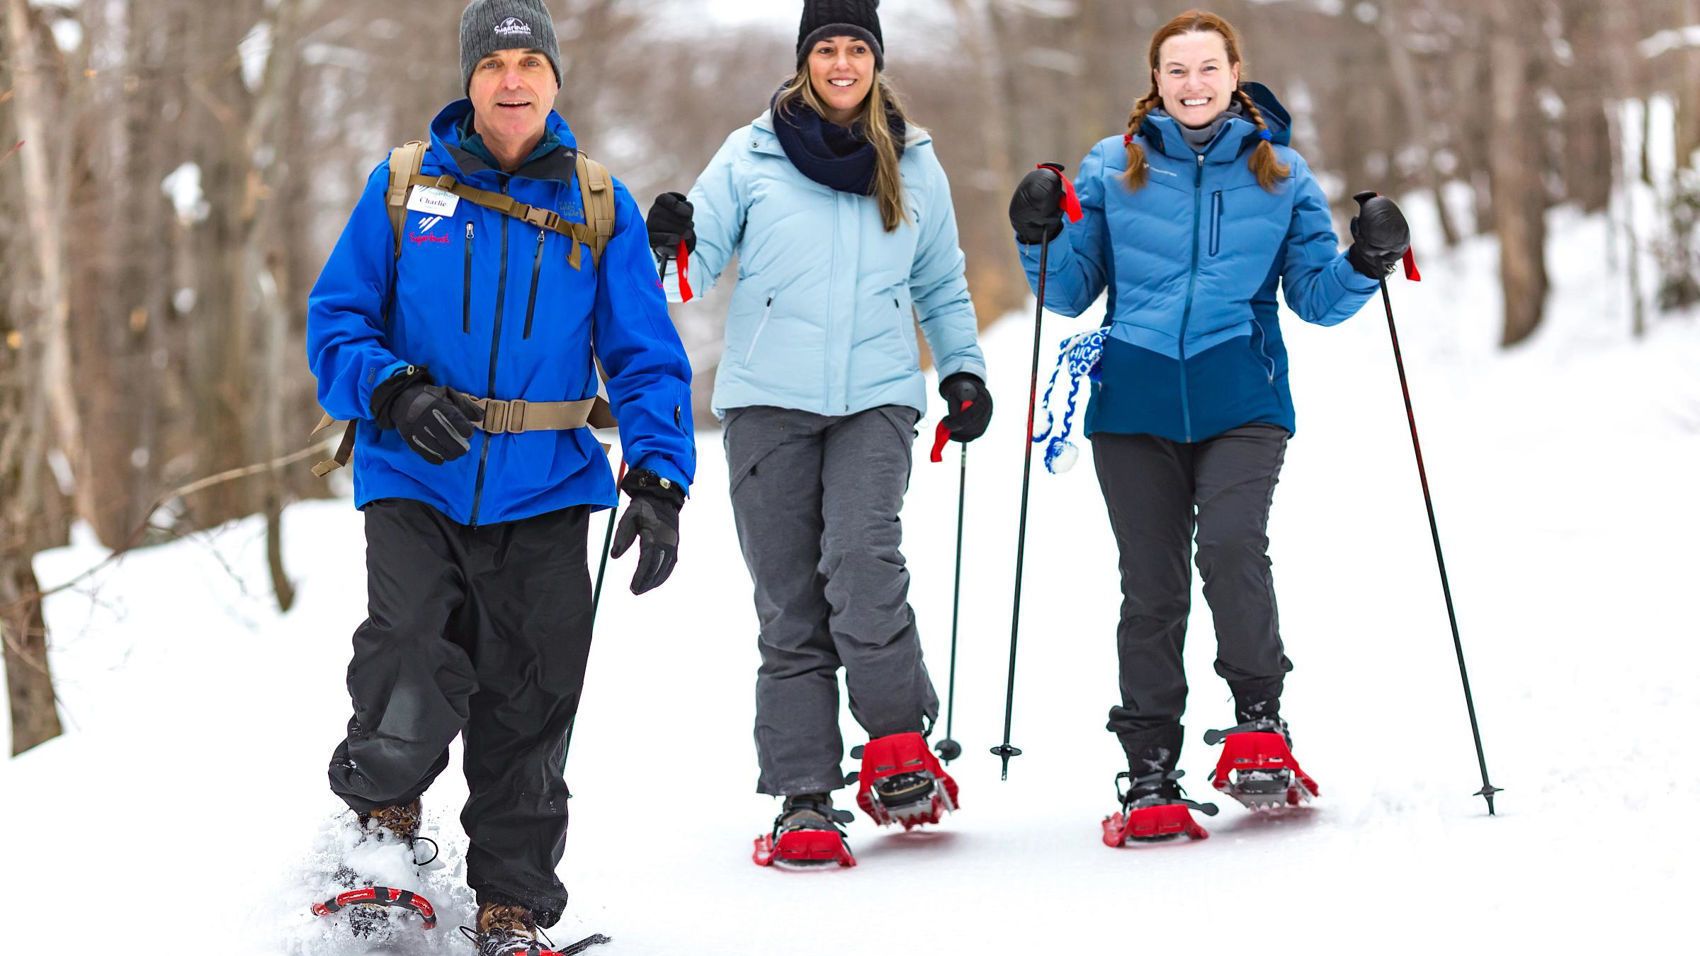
402 821
505 930
809 811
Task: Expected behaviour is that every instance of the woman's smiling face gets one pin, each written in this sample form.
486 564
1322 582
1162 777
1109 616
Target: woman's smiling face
1194 77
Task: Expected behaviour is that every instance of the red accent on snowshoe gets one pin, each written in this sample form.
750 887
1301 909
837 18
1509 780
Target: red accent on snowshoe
803 847
1149 823
380 896
1261 751
897 754
1411 272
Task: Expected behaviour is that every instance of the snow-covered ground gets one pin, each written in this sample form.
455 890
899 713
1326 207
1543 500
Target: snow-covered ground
186 805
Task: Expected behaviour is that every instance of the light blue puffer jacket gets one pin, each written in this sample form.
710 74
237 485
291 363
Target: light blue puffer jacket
823 316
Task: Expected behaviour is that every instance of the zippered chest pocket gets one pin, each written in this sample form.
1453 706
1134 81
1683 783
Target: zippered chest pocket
1216 222
466 283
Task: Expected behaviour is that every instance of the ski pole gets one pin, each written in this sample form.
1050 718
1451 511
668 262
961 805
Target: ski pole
1488 790
1072 206
948 749
596 595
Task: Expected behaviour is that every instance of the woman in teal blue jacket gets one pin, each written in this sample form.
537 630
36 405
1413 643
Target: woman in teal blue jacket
841 219
1192 220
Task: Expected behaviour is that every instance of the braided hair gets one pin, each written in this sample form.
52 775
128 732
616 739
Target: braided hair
1264 163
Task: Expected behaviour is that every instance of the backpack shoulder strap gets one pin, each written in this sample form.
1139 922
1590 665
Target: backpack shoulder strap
406 161
596 188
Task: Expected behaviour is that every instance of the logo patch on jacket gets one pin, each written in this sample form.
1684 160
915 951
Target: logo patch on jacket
513 26
422 231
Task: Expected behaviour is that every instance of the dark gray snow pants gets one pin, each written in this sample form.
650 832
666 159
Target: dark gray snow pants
483 632
816 501
1160 494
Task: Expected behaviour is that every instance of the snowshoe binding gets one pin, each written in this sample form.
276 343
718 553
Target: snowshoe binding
1257 766
1154 809
371 906
901 781
504 930
807 833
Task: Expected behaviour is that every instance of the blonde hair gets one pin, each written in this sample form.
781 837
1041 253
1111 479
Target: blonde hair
1263 162
881 99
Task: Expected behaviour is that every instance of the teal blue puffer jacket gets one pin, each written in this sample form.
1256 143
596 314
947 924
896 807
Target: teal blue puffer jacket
823 318
1192 261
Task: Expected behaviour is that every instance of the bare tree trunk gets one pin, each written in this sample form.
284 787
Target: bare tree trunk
29 682
1519 199
44 212
1415 107
254 281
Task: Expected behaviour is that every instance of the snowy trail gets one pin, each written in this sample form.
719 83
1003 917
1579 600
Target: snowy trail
1563 474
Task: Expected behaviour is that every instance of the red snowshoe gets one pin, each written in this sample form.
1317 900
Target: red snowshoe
1257 767
902 782
806 834
375 896
1154 809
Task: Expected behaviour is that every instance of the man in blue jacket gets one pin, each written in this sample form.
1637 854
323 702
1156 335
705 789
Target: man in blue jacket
464 346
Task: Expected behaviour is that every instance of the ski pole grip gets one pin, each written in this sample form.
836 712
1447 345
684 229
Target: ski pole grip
1070 201
1410 257
683 264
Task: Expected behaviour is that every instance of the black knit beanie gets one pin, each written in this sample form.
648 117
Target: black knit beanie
836 18
490 25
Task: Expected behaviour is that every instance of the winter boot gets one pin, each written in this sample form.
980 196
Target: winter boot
1154 808
508 930
1257 766
371 908
808 832
902 781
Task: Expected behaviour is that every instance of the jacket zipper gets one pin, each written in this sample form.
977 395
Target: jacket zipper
495 350
1215 221
1263 351
1191 284
466 286
907 330
766 311
536 270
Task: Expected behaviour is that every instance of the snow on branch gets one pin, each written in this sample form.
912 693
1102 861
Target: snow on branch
1665 41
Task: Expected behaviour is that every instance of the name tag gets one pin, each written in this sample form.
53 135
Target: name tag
435 202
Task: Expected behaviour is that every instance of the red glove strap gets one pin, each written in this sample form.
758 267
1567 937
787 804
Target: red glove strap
1411 272
941 435
683 264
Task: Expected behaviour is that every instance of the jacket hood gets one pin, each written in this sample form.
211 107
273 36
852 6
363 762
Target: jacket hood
445 146
1239 134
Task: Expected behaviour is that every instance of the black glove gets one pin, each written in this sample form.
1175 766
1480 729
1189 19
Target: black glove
970 406
1036 208
1380 236
434 420
669 223
652 519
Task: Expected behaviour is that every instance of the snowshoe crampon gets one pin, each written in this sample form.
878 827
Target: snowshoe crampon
1257 769
1154 809
380 896
901 781
803 848
1161 822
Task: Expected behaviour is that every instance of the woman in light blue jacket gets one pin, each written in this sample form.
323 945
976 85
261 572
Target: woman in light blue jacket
841 219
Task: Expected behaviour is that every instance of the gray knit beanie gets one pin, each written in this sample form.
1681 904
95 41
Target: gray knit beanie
490 25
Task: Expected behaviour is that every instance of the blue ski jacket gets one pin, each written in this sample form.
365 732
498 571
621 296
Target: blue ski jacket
823 317
1192 261
491 306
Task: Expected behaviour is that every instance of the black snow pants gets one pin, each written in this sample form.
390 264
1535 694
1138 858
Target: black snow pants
1160 494
481 631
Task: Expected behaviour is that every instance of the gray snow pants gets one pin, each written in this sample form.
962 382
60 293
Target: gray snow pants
1160 494
816 501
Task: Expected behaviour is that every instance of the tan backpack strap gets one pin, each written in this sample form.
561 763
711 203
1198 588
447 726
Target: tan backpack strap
405 162
344 451
517 415
596 189
546 219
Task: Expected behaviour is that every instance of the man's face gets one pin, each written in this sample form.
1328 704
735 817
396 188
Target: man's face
512 92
